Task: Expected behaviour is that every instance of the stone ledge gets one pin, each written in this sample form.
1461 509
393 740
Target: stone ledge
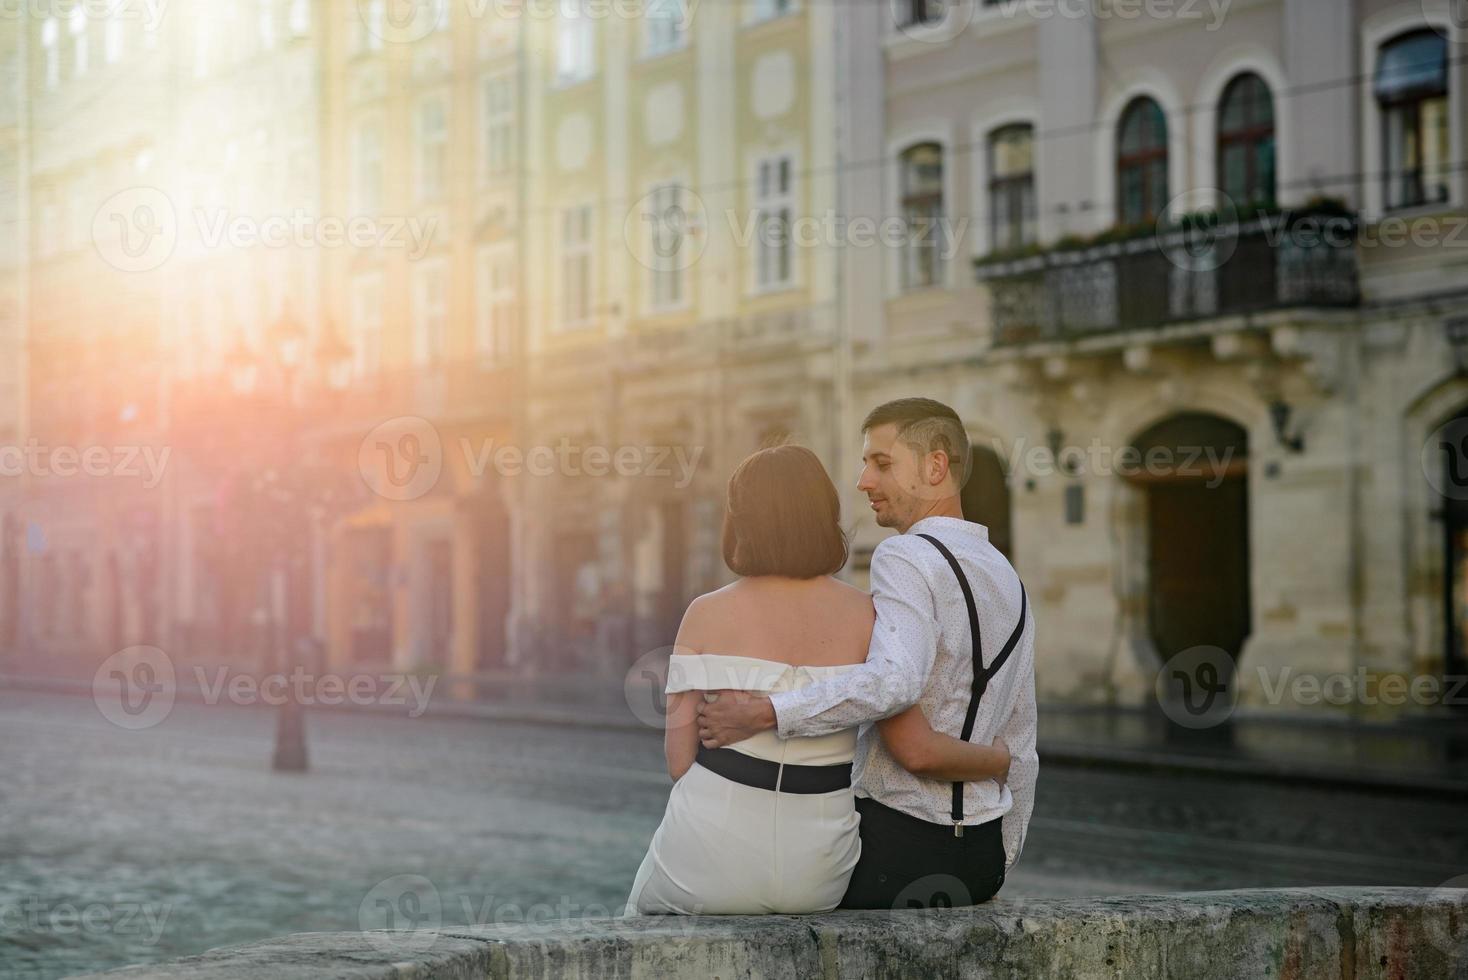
1282 934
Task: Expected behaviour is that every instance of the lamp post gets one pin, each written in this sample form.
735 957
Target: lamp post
287 486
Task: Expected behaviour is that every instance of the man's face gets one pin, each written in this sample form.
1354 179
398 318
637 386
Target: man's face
890 477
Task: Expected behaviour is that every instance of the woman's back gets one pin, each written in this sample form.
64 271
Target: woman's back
766 824
785 852
818 622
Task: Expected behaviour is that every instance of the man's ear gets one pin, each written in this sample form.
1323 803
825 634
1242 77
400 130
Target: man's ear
937 468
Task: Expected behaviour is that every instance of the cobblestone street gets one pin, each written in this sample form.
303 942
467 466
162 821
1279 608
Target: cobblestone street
179 838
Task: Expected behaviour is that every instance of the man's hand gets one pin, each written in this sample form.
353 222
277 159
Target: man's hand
735 716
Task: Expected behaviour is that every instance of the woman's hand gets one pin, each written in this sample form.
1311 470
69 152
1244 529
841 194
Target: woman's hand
1003 747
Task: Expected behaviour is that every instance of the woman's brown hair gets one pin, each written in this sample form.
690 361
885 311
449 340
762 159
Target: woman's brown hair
783 516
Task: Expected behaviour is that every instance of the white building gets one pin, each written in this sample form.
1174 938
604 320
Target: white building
1311 350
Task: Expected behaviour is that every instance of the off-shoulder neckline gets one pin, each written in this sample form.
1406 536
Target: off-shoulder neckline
763 660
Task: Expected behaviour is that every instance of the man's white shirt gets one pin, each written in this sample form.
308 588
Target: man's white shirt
921 653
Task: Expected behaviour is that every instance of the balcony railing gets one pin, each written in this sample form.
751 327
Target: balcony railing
1276 262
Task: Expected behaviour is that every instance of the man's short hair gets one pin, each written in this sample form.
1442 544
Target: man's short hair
926 426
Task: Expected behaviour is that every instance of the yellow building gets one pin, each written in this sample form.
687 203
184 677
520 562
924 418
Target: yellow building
80 381
420 142
674 319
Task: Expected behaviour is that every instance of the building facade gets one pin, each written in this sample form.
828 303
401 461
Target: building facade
421 138
672 323
1204 326
1192 277
14 255
93 112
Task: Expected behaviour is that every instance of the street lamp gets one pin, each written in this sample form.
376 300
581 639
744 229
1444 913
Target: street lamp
1279 414
288 338
334 356
286 343
240 365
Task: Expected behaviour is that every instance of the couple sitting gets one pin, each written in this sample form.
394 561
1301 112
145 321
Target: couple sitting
832 748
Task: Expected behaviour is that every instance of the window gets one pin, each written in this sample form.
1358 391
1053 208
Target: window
664 20
50 41
366 323
267 24
774 206
298 20
1246 141
497 319
433 145
430 311
770 9
575 43
922 212
1411 88
112 39
498 136
77 27
367 168
668 230
576 282
371 25
911 12
203 42
1011 187
1141 163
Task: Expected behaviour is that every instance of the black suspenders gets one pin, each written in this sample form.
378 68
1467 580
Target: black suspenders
982 674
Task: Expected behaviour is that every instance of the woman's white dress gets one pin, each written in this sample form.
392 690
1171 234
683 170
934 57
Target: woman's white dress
726 848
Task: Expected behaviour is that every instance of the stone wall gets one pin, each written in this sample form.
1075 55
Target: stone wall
1356 933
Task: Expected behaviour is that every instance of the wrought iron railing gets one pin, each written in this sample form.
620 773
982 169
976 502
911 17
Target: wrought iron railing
1275 262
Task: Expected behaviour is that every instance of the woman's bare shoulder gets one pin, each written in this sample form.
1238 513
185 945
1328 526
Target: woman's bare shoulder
716 599
848 593
708 609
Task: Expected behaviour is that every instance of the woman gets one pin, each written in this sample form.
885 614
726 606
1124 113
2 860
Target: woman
769 825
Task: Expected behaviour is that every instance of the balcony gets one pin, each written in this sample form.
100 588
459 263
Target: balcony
1279 261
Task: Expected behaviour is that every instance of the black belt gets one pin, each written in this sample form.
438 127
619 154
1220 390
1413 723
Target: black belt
764 774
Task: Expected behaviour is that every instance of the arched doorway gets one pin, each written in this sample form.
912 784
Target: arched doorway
985 498
1192 469
1451 486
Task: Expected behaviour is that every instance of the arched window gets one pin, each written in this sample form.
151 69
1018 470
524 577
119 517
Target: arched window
1246 141
1141 162
1411 88
1012 186
922 211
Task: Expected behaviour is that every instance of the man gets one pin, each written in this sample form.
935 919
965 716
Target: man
924 842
